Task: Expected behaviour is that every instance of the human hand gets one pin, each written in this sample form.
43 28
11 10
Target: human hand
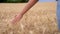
16 19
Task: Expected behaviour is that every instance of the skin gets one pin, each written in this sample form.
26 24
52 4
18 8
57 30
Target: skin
25 9
28 6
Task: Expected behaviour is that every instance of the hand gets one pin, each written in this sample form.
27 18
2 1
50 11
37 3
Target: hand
16 19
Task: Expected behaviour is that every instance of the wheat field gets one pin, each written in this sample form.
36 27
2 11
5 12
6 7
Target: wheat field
40 19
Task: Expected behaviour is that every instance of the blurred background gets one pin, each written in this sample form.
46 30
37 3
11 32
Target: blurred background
13 1
23 1
40 19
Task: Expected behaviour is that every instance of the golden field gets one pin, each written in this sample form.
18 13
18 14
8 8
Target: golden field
40 19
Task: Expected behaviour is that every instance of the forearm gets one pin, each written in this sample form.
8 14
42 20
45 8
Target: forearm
28 6
25 9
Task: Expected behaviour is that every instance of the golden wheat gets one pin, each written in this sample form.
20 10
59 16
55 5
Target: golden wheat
40 19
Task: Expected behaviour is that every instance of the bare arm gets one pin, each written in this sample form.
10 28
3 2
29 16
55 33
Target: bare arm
25 9
28 6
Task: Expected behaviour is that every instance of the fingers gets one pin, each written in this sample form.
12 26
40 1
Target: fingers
16 19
